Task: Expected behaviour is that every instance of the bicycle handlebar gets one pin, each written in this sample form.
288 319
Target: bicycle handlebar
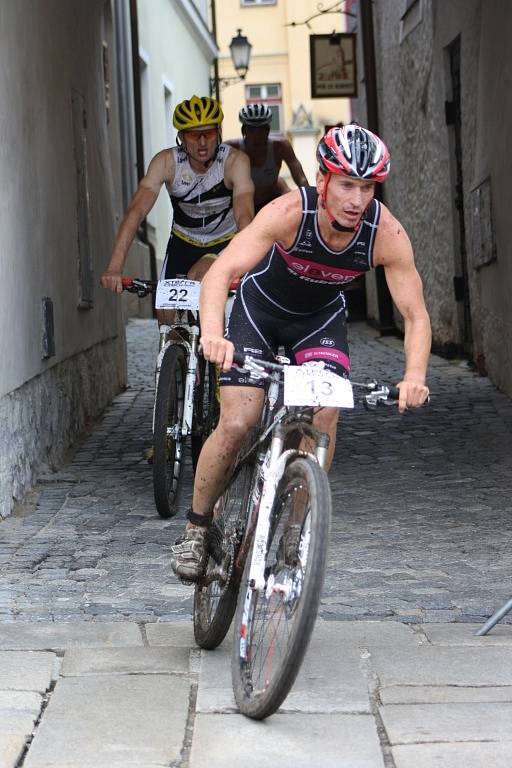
377 393
139 286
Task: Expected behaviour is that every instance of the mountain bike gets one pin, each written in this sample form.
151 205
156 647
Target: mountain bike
267 545
186 402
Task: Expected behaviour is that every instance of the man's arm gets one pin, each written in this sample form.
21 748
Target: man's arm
290 158
237 176
394 251
158 172
277 221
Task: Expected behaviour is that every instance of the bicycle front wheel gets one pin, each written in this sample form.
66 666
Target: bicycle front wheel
274 623
215 597
167 435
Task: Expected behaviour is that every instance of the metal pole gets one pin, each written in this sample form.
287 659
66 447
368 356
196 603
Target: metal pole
489 624
216 84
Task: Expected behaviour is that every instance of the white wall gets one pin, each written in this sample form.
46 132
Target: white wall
48 50
178 51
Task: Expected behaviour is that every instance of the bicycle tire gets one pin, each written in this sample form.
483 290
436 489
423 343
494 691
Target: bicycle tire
206 407
168 450
215 603
272 631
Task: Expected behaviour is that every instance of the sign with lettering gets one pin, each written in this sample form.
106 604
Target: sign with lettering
333 65
177 294
311 384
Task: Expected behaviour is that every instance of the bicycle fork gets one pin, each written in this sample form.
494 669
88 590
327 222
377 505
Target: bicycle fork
190 377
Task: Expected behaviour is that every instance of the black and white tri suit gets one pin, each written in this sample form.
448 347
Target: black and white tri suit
203 220
294 297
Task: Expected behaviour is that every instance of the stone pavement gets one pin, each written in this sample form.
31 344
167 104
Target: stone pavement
379 694
97 661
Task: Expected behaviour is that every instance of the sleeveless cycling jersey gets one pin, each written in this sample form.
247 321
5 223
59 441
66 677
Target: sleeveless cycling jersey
309 275
267 174
202 204
293 298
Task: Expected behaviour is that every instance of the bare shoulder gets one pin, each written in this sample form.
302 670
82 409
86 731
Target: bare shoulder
282 149
162 167
235 157
237 166
282 217
392 244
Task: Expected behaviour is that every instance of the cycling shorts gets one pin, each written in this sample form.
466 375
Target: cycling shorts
180 255
259 328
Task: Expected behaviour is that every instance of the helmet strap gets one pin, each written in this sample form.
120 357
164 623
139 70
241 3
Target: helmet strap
323 202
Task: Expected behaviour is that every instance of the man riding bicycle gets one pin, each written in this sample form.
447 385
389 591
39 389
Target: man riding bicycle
210 188
266 155
299 252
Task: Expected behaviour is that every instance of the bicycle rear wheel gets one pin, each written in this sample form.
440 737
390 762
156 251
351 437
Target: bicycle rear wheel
206 407
215 597
167 436
273 625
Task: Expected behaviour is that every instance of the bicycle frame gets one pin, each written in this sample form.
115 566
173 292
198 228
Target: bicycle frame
188 338
270 469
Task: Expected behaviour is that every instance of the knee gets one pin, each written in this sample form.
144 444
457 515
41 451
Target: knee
236 426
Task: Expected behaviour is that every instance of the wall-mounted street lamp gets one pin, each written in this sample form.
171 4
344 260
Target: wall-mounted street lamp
240 50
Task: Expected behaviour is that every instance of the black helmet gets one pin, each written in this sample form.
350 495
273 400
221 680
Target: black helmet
255 114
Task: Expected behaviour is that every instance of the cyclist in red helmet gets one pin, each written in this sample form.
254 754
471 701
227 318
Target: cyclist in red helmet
266 155
297 255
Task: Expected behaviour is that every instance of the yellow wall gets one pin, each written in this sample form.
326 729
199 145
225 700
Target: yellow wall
280 54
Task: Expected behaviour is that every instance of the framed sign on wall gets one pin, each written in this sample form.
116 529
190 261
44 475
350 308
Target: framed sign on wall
333 65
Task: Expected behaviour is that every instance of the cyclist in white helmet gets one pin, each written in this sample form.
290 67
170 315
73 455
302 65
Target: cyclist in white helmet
266 155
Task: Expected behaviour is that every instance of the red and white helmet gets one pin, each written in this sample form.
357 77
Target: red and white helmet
353 151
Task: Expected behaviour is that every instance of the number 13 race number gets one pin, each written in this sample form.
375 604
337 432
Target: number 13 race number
312 386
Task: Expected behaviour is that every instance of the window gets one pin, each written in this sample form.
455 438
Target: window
411 16
270 95
258 2
146 106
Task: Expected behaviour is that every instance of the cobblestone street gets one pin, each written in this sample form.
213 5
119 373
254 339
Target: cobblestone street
422 508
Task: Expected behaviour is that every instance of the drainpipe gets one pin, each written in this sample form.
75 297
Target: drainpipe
139 141
216 60
386 323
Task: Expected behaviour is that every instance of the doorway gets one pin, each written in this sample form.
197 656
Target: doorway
454 123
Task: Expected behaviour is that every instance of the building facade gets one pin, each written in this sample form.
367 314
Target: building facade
72 144
444 104
176 50
279 71
62 341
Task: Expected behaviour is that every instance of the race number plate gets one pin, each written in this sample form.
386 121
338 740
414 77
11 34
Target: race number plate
177 294
305 385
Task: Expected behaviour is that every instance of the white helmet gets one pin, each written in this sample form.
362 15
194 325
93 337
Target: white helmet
255 114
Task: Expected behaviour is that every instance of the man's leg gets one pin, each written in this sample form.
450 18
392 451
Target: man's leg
326 420
240 408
